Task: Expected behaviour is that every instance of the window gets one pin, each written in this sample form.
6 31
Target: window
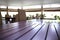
32 13
3 13
32 7
51 14
10 13
51 5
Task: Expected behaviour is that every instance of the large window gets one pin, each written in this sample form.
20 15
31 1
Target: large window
3 6
28 14
51 14
32 7
10 13
3 13
51 6
14 7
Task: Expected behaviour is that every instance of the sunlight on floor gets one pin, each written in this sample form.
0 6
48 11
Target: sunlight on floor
52 20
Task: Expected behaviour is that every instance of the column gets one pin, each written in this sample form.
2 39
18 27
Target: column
7 16
7 9
41 9
42 15
0 17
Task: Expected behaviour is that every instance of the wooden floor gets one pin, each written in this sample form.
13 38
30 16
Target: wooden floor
30 30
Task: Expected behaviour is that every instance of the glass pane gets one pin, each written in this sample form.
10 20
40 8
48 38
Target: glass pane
3 13
32 13
51 14
12 13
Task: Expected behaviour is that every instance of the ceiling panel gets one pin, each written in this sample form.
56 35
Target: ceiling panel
51 1
27 2
3 2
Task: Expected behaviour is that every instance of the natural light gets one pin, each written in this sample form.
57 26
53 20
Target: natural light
28 14
51 14
14 7
47 14
10 13
32 7
3 7
51 5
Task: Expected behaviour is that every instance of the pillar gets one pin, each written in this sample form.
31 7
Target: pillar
42 15
42 9
7 15
7 9
0 17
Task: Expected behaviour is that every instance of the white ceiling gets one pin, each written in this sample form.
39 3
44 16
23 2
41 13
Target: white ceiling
27 2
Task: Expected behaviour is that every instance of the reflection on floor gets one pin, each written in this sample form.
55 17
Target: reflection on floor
31 30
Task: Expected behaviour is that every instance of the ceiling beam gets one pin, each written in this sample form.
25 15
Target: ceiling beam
32 10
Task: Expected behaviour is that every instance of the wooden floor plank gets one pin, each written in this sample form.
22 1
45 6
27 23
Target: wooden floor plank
10 26
17 27
12 37
41 34
57 29
14 31
52 33
31 33
30 30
